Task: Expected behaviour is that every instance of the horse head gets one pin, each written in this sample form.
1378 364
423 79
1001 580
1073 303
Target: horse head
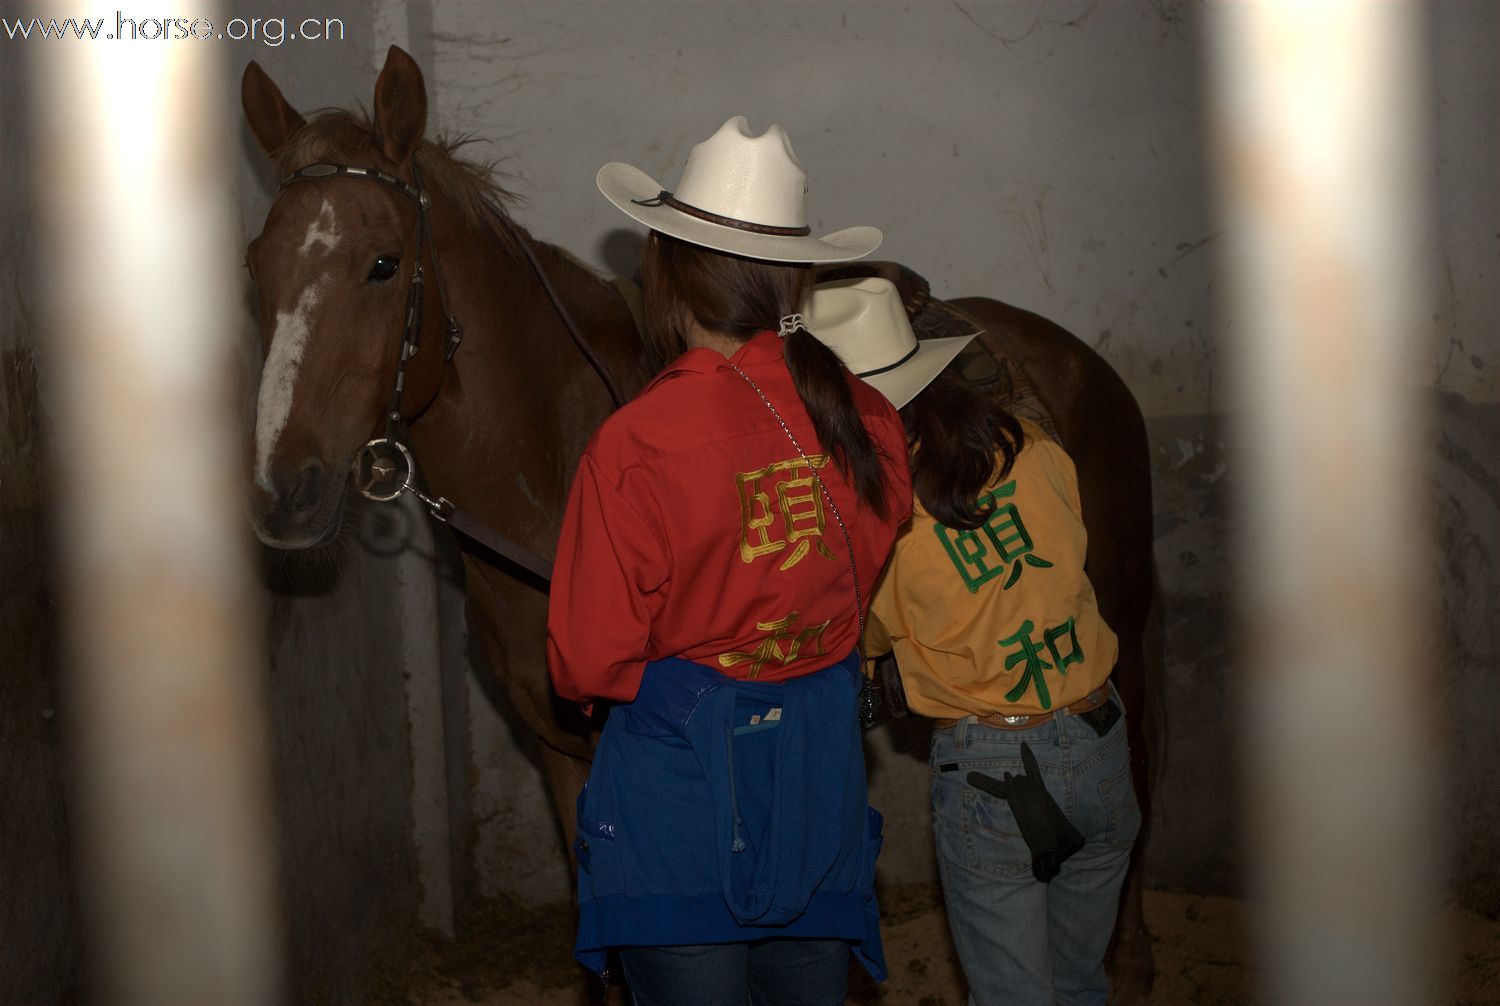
333 269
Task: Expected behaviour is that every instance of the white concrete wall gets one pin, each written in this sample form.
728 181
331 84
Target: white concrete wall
1464 176
1048 154
1043 154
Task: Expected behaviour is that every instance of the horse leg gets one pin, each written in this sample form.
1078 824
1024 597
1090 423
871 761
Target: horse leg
564 775
513 647
1131 960
509 622
1117 513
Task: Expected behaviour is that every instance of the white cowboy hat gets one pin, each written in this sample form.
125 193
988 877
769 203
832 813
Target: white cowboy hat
864 322
739 193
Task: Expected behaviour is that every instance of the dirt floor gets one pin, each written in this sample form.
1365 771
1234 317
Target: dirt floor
1201 944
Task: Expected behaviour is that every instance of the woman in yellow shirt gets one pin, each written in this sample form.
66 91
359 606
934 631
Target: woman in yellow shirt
998 637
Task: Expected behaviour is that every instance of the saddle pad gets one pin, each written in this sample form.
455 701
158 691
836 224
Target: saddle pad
984 363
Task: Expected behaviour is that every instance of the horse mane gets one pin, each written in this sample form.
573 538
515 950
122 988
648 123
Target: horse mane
340 136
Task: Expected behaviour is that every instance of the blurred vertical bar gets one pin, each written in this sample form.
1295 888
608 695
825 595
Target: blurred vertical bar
1314 119
176 872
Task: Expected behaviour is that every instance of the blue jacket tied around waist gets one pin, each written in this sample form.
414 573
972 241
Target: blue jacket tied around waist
723 811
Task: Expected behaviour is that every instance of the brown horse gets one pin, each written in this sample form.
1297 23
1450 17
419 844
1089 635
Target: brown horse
499 428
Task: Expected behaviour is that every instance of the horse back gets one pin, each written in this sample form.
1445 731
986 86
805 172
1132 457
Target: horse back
1101 427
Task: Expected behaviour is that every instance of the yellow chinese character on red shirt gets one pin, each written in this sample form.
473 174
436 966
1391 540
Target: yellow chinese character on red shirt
777 513
770 649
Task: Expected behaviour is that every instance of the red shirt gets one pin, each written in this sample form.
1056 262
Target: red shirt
694 529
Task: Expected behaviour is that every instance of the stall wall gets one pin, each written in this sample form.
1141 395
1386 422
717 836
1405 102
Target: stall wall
40 949
1051 156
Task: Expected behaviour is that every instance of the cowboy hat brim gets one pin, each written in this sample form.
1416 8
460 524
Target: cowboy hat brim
905 382
623 185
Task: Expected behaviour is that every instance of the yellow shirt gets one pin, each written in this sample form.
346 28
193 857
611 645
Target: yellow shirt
1001 619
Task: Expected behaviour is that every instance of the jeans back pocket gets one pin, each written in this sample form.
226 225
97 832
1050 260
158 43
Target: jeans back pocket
1117 793
992 841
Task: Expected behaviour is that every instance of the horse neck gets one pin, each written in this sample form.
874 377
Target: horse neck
519 400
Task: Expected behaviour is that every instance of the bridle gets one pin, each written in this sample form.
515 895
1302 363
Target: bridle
385 468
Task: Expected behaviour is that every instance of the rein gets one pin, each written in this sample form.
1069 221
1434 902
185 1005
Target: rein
385 467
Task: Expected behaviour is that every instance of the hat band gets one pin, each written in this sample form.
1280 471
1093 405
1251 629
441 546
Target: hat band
893 366
665 198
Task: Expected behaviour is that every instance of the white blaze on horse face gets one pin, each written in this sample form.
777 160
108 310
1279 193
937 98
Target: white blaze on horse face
278 380
322 231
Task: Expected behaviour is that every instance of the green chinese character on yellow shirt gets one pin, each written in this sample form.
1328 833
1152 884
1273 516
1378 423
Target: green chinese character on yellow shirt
1030 652
1000 544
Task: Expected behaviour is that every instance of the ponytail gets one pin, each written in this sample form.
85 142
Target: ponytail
818 376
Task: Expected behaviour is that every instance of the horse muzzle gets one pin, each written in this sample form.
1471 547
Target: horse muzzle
301 512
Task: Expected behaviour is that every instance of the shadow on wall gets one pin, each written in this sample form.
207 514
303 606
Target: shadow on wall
40 949
1464 499
1195 842
342 769
621 251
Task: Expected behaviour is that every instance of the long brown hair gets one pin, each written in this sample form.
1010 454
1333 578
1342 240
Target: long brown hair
961 441
738 297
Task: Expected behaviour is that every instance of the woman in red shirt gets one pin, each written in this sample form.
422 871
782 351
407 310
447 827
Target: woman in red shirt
722 535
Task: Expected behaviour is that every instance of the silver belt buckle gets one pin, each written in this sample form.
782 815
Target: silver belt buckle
1015 721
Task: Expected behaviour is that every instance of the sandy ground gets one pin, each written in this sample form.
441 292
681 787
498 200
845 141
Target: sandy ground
1201 945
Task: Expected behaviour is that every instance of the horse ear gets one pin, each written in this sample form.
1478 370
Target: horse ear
271 119
400 106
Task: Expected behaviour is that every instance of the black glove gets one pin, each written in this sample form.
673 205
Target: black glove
890 685
1049 834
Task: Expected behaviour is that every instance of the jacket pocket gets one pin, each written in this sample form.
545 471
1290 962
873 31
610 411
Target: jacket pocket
594 848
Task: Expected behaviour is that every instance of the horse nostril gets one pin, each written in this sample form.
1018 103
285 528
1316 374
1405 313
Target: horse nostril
305 495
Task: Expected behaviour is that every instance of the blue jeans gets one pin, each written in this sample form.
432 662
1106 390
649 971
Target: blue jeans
1019 940
765 973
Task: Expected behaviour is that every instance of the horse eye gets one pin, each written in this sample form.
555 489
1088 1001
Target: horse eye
384 268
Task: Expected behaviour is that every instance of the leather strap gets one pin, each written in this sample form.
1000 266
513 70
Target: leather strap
467 524
1093 700
443 508
665 198
890 366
